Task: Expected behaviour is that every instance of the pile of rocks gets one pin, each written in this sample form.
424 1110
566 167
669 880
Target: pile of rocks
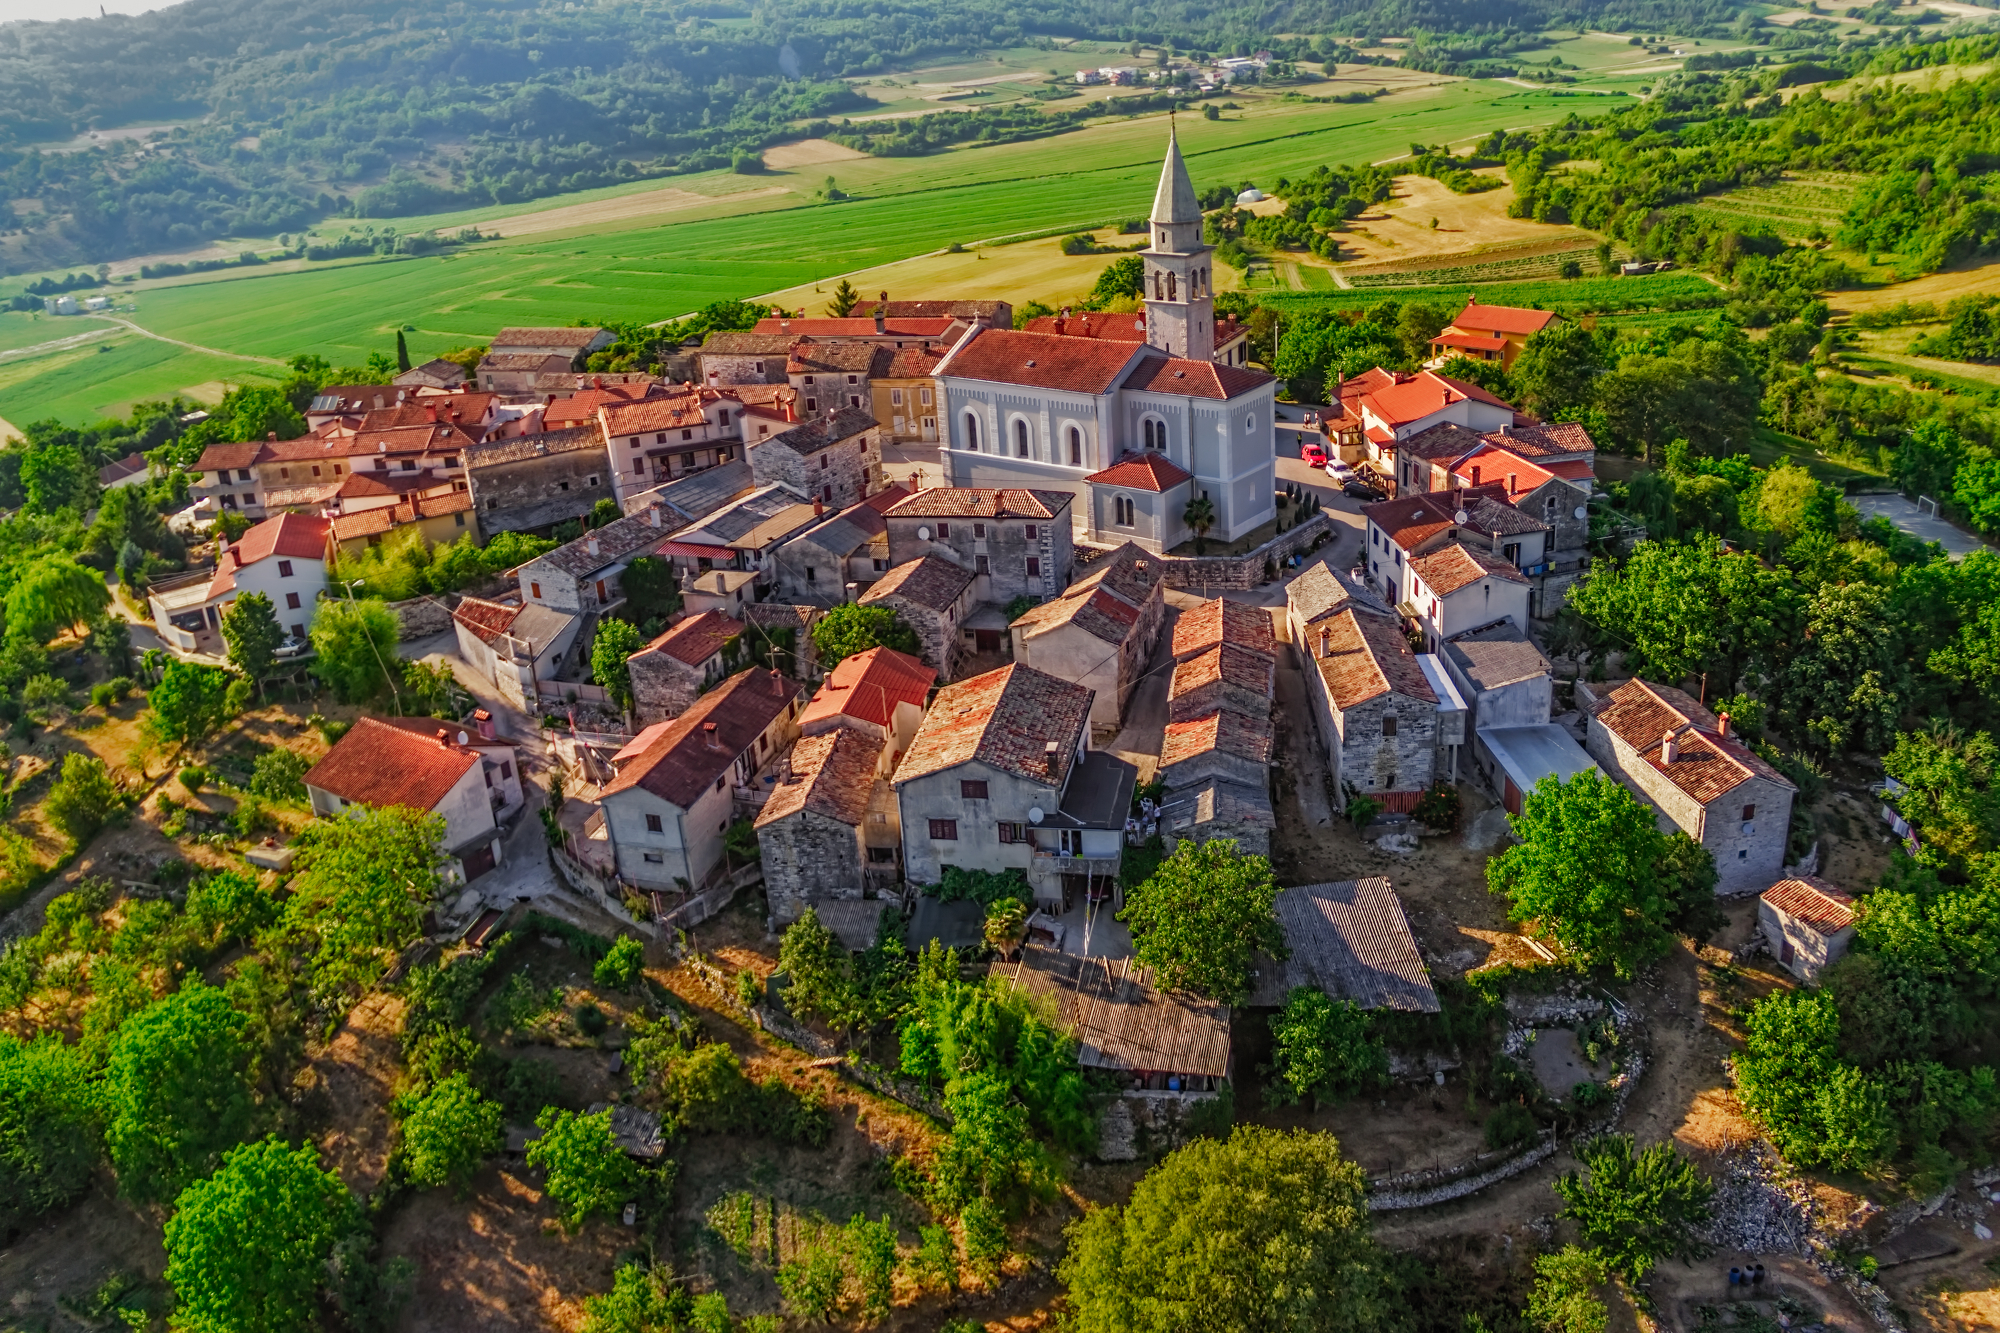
1756 1210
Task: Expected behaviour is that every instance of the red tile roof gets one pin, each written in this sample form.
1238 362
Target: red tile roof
1118 327
1147 470
868 686
217 457
580 408
896 326
687 758
1492 465
1572 469
1004 719
1040 360
1225 729
1707 765
293 536
1450 568
1222 621
381 765
931 582
1503 318
695 639
1412 520
1470 342
668 412
1226 663
974 502
1106 603
1194 379
1813 901
487 620
1363 655
832 774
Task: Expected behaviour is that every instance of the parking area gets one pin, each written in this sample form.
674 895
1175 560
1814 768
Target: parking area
1919 523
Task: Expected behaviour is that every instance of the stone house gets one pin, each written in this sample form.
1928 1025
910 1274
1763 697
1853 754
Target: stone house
434 374
1017 543
657 440
729 358
836 459
530 483
1224 746
1687 764
880 692
832 377
814 831
517 373
515 646
471 781
1459 587
1503 678
670 673
1001 776
574 342
905 393
1808 922
666 812
699 494
933 595
840 556
582 576
1099 632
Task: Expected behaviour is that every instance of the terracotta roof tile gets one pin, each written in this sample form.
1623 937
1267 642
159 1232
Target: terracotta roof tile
520 448
1813 901
975 502
1117 327
855 326
832 774
381 765
1227 664
1444 443
667 412
1039 360
687 759
580 408
1362 655
869 685
1707 765
217 457
1146 470
1106 603
695 639
1412 520
293 536
1449 568
578 337
1225 730
487 620
1222 621
1503 318
1004 719
1540 441
1194 379
931 581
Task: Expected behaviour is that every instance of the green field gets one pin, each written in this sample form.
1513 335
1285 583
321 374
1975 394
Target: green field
639 269
1554 294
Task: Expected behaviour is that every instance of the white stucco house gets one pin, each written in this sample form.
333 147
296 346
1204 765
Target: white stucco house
435 767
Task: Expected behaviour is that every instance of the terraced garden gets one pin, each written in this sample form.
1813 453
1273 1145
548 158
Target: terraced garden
1796 207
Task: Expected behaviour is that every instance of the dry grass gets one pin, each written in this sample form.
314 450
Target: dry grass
1019 273
1399 229
622 208
808 153
1979 277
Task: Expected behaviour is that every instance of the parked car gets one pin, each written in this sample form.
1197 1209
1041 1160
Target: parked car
1361 490
1338 470
1314 454
292 647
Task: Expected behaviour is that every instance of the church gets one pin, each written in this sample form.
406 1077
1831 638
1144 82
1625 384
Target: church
1137 431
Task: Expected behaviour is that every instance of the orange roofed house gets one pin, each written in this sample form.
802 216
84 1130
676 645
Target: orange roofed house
428 766
1001 776
283 558
1489 333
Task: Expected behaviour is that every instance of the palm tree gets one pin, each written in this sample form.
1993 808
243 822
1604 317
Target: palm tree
1199 515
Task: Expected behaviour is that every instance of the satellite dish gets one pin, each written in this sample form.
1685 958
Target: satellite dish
1035 815
1582 511
923 534
1461 518
463 738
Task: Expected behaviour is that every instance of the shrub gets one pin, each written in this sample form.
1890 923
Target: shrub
1438 807
83 798
590 1020
449 1133
194 777
530 1086
1509 1126
587 1171
620 967
279 775
985 1239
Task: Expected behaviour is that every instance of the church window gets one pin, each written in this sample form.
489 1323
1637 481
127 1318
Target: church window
1172 294
1021 438
1075 447
972 432
1156 285
1121 509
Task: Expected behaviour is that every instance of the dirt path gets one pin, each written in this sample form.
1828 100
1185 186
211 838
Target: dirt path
192 347
58 345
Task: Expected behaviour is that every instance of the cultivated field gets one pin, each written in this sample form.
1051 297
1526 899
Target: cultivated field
1795 206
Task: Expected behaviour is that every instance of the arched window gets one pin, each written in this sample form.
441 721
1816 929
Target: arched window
1156 284
1172 295
1020 437
1154 432
972 432
1075 447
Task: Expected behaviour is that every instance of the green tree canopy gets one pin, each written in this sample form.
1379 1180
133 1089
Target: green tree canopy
1846 683
55 476
1588 870
83 798
250 628
851 628
1203 917
361 886
51 1127
819 971
1565 1298
1636 1208
51 595
187 706
247 1248
449 1133
1264 1233
1817 1110
178 1089
355 643
587 1171
616 641
1680 608
1558 368
1323 1048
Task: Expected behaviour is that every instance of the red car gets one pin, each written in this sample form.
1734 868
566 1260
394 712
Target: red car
1314 454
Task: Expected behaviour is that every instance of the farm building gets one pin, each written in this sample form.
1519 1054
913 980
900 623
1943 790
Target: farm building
1351 940
1161 1041
1808 922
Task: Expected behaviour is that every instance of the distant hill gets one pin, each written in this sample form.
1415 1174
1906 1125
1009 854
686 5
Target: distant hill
279 113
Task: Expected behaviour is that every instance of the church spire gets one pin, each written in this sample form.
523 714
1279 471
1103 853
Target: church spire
1175 201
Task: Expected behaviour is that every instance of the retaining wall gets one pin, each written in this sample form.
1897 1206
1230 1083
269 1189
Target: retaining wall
421 617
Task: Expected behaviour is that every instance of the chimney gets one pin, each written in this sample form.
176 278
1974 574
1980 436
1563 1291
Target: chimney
1325 642
378 400
597 381
1475 474
443 739
591 545
1670 749
272 437
777 683
1051 756
653 515
709 737
785 325
882 314
221 546
1722 725
818 508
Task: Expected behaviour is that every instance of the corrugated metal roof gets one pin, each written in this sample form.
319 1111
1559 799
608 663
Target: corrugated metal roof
1120 1019
1351 940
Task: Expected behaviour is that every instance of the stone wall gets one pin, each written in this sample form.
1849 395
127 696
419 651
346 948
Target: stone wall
533 494
662 686
421 617
808 855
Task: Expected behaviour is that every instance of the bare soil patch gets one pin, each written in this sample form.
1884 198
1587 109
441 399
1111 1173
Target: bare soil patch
69 1257
348 1083
1957 1293
807 153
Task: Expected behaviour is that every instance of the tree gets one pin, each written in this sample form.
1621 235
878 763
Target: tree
1680 608
1557 368
1318 347
643 1300
1203 917
356 646
279 775
851 628
1816 1110
1322 1048
1266 1232
248 1247
1122 279
622 963
51 1127
51 595
991 1153
1199 515
449 1133
1565 1297
1588 872
615 643
1706 390
178 1089
187 706
650 588
56 477
402 353
820 969
1637 1208
83 798
250 628
362 884
1416 324
845 298
1846 683
587 1171
1925 462
1950 794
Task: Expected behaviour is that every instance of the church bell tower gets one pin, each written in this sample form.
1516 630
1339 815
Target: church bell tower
1180 300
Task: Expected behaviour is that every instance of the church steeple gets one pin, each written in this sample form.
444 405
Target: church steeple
1180 307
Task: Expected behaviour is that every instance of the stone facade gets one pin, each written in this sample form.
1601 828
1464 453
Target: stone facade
933 596
837 460
813 830
530 483
1100 632
1015 543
